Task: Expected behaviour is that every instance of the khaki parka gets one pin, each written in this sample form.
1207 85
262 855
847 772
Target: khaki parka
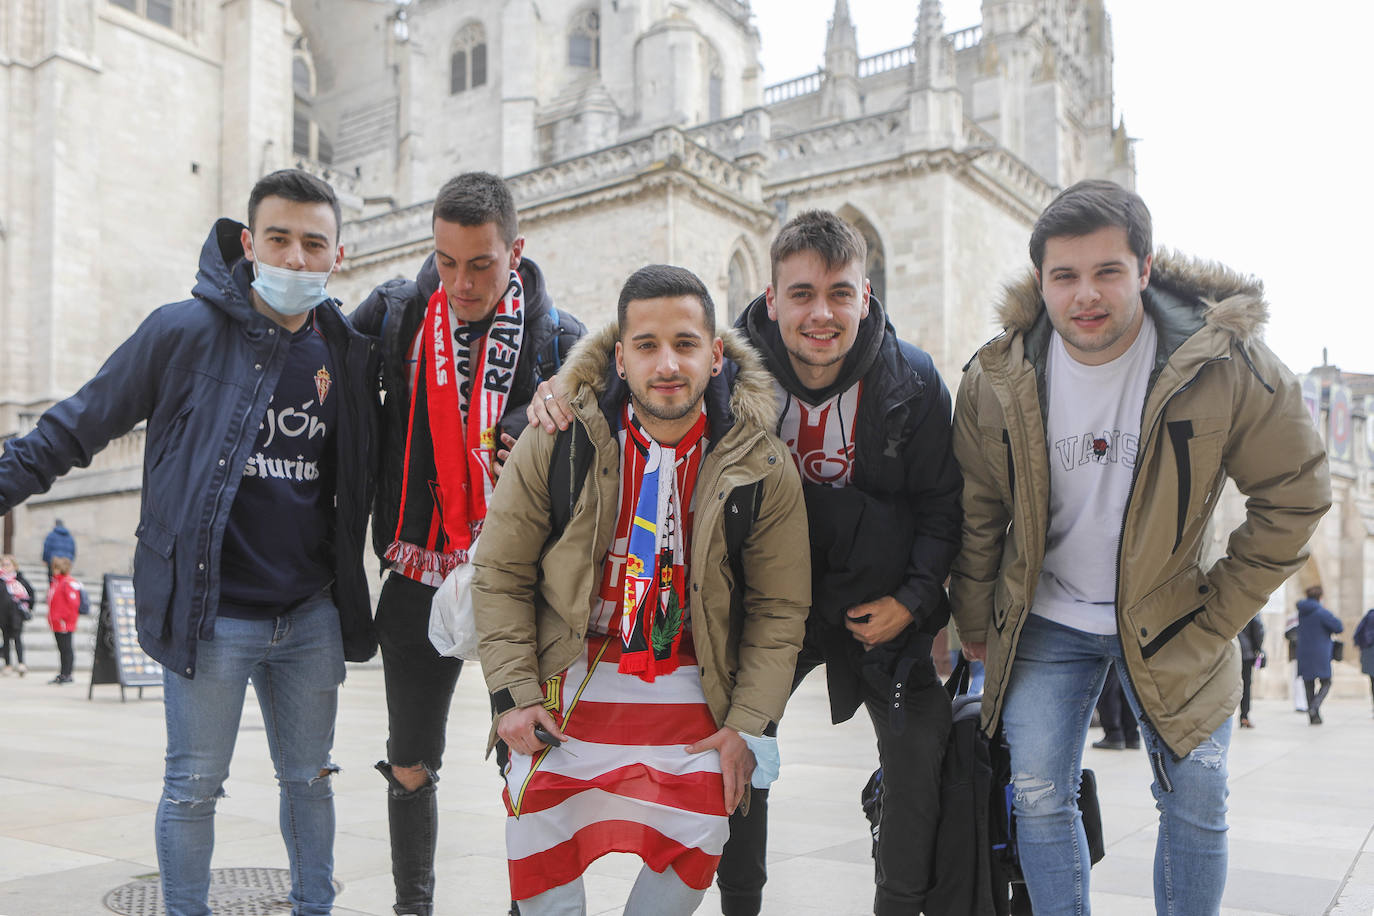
1219 403
533 596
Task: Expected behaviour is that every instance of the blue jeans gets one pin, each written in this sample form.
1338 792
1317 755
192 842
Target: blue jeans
975 672
1055 681
296 665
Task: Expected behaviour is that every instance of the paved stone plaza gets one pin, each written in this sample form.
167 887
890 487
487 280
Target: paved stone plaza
79 782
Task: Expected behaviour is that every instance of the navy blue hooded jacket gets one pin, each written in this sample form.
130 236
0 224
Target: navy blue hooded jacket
201 373
1316 626
59 543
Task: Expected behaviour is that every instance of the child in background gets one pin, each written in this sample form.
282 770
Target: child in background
65 598
16 606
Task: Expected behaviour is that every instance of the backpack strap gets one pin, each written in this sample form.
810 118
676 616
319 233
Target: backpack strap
740 511
568 465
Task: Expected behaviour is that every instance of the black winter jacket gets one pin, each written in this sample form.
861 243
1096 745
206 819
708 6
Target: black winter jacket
393 314
895 531
201 372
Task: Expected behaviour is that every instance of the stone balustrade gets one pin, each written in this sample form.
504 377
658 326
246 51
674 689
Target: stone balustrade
734 137
895 59
963 39
791 89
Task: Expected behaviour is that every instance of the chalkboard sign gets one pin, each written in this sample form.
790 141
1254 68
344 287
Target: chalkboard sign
119 659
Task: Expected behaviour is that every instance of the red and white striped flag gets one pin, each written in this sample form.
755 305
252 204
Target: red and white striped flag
631 786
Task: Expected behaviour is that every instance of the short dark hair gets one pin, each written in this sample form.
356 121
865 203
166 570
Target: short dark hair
294 184
836 241
478 198
1314 592
657 281
1089 206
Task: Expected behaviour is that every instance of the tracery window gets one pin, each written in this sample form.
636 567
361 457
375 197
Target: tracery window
468 62
584 40
160 11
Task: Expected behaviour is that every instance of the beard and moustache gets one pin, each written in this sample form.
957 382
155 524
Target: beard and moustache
641 396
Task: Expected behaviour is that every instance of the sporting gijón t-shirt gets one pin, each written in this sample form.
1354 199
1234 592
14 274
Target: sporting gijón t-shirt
277 547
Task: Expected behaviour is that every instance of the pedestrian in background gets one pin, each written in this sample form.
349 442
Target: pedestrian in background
16 606
1118 722
1315 627
65 599
1251 657
1364 641
58 543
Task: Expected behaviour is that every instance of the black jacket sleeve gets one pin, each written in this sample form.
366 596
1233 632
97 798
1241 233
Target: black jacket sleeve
933 489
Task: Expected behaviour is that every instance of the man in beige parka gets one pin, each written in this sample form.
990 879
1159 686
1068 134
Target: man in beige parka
1094 436
636 658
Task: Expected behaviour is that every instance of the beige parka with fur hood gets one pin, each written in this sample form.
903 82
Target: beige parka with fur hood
533 595
1219 403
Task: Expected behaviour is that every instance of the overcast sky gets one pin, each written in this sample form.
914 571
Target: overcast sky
1253 127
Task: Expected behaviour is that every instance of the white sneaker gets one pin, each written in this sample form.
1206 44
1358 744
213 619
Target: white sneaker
7 670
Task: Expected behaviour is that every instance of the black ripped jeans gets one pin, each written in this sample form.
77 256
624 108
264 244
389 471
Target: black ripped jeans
419 689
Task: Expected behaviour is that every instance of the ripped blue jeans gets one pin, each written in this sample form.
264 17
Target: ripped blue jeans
1055 681
296 664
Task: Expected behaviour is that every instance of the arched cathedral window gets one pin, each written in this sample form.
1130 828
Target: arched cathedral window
307 140
584 40
160 11
714 85
468 63
875 267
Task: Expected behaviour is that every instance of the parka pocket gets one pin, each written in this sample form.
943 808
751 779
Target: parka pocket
1197 463
997 454
154 573
1172 607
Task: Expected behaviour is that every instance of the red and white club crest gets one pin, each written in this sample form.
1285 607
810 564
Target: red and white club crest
322 383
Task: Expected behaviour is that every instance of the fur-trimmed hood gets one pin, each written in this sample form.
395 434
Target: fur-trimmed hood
1229 301
591 365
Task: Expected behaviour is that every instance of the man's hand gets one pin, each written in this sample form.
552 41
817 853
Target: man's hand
516 728
550 407
502 454
877 622
975 651
736 763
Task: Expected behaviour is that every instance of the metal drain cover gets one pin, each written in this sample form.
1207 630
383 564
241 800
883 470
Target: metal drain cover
233 892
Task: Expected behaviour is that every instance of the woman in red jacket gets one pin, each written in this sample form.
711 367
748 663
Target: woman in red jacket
65 597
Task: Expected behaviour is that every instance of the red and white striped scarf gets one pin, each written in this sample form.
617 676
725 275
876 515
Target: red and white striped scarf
462 428
644 576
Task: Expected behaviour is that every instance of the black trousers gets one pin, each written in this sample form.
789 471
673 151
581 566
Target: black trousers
1316 688
14 634
64 652
911 806
419 690
1247 671
1117 718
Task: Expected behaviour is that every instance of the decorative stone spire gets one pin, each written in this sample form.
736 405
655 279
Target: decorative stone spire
841 42
840 91
934 63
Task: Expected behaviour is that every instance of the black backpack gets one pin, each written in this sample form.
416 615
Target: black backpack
976 869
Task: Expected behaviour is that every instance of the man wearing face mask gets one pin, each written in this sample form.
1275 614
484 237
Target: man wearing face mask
259 418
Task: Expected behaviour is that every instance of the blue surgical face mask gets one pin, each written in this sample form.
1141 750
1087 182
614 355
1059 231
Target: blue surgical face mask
289 292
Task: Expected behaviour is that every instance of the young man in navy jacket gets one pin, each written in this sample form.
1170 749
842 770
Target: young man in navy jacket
248 566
